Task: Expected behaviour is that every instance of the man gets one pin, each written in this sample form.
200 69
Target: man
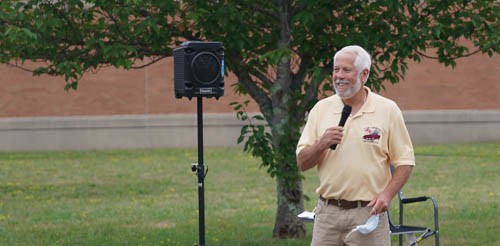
355 178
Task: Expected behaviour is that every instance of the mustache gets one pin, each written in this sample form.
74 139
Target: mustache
341 81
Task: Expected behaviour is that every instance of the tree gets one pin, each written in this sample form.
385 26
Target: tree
71 37
280 50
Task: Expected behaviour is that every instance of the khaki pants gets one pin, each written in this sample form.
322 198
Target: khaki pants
331 225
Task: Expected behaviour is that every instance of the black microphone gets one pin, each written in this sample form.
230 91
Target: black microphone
346 111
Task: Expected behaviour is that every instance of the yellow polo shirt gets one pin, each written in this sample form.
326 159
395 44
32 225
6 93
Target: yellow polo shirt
373 138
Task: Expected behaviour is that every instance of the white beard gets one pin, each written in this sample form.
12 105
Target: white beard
347 92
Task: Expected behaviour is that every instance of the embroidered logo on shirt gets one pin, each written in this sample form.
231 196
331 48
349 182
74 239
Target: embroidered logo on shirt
371 135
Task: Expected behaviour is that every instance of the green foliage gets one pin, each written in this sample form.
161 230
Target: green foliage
259 141
72 37
393 32
278 162
75 36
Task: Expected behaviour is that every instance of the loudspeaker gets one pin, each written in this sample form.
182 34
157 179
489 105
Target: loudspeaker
199 69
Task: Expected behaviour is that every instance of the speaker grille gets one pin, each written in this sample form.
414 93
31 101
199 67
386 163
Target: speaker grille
205 67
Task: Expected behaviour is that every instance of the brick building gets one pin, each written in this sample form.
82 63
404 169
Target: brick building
29 104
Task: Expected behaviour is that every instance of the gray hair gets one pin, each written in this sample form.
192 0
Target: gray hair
361 62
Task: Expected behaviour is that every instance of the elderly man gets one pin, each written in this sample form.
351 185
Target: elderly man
355 178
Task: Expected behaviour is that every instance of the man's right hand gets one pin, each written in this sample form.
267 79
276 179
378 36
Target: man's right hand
314 154
331 136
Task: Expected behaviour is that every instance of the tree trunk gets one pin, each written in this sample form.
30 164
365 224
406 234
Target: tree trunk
290 204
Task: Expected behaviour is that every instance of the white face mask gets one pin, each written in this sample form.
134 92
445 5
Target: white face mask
369 226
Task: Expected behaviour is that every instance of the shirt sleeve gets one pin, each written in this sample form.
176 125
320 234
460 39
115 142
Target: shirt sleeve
400 145
309 133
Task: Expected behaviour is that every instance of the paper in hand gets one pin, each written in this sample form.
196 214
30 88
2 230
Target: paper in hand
307 216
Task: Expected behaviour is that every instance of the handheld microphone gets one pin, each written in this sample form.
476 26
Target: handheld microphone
346 111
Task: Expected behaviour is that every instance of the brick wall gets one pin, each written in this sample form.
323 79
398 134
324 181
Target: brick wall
473 84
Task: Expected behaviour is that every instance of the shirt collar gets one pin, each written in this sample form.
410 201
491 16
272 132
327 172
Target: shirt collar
367 107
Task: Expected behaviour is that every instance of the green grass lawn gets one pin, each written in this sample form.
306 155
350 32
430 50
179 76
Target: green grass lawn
149 197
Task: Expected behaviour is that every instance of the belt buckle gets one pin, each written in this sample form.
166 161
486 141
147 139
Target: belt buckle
339 202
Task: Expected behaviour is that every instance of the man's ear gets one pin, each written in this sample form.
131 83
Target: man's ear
364 75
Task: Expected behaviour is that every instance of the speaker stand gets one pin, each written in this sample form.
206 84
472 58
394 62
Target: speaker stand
200 172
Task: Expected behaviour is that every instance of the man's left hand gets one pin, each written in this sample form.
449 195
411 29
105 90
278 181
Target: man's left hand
380 203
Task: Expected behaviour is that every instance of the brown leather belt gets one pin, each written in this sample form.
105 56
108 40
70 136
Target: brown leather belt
344 204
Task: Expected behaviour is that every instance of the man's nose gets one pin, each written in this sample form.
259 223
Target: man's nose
339 75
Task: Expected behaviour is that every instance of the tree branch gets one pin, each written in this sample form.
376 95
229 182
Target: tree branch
298 78
311 95
267 83
150 63
328 67
311 91
260 10
453 58
19 67
257 93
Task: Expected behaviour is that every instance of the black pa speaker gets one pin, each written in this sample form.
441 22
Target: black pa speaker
199 69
